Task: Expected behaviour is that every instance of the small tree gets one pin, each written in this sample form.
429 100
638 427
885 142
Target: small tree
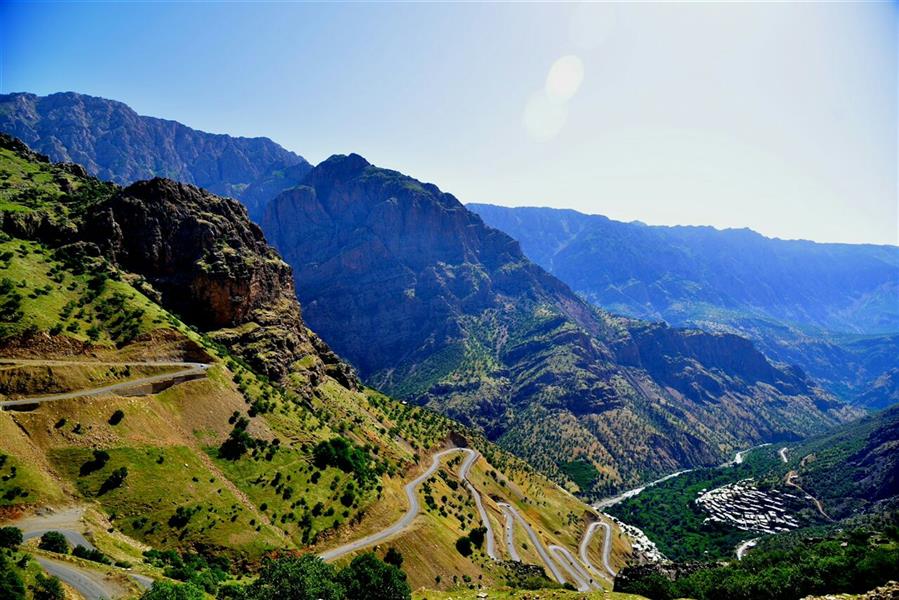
53 541
48 588
371 578
115 479
463 545
11 585
477 536
116 417
10 537
394 557
166 590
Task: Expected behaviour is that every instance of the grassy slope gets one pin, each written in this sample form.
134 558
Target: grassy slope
168 441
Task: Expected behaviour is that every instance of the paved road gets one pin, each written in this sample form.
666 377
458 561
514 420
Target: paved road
535 541
405 520
74 538
188 371
464 469
606 547
67 521
744 547
510 533
582 579
783 455
90 584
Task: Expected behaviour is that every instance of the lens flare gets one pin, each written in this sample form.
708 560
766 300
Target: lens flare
564 78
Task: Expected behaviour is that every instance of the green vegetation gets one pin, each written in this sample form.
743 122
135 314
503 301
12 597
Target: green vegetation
307 577
10 537
205 573
11 585
580 471
53 541
91 554
47 588
854 466
166 590
852 562
346 456
668 514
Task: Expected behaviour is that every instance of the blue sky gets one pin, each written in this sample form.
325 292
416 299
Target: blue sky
775 116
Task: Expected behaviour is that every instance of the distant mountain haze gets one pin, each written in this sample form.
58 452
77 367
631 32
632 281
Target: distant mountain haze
113 142
831 308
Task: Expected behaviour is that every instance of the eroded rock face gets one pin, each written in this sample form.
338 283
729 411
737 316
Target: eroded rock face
212 267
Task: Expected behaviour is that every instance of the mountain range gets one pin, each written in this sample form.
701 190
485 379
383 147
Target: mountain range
432 306
832 309
114 143
163 402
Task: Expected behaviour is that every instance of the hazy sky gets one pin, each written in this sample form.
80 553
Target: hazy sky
780 117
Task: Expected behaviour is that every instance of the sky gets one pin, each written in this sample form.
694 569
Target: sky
781 117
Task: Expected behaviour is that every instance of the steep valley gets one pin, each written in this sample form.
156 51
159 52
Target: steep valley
275 445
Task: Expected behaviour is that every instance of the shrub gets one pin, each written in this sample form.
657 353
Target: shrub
11 586
90 554
115 479
238 442
53 541
343 454
394 557
463 545
477 536
10 537
116 417
371 578
99 461
167 590
47 588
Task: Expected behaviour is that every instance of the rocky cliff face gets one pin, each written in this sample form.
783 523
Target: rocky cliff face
115 143
200 252
432 305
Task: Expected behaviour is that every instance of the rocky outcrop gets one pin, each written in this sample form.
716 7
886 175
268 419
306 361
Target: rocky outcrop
433 306
212 267
115 143
199 254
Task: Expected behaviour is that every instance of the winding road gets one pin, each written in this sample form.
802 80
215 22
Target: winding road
90 583
415 508
791 481
464 469
583 581
606 547
783 455
189 370
538 545
510 534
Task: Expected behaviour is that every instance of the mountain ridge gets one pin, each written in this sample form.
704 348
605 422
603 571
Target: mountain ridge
793 298
446 311
115 143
